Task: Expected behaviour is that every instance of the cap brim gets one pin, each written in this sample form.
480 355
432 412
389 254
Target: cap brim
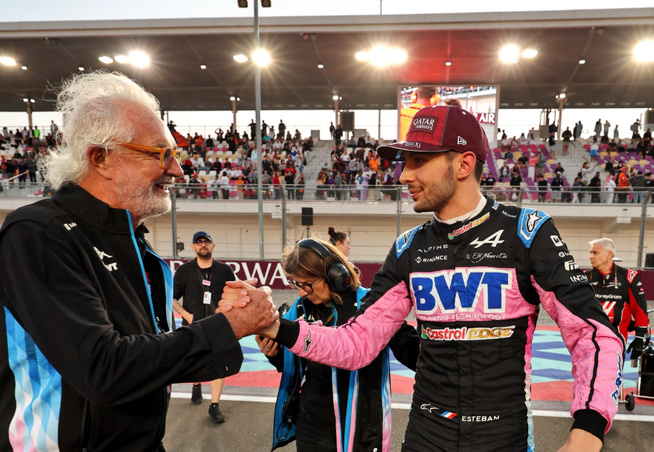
394 151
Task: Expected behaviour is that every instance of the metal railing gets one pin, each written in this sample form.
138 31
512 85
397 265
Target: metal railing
372 216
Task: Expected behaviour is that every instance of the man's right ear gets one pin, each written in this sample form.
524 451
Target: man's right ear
97 156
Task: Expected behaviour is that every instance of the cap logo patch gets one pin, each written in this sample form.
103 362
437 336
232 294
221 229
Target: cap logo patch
413 144
424 124
460 140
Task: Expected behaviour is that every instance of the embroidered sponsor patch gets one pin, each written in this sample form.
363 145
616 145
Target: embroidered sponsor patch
426 125
528 224
403 241
466 227
466 333
435 410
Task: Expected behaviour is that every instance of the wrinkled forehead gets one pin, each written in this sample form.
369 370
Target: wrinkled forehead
147 124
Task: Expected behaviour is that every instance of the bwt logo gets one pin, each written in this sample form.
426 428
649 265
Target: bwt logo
460 290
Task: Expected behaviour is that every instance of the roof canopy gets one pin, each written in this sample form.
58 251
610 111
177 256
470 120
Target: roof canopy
605 39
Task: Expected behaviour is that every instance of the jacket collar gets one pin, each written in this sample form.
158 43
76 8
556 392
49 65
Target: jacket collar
89 209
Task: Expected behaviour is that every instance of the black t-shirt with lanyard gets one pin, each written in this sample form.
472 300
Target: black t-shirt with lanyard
191 282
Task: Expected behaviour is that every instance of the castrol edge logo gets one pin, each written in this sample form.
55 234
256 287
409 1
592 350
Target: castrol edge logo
467 334
426 125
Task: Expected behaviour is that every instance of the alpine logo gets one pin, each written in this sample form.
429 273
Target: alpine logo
70 226
111 266
571 265
492 240
424 124
460 140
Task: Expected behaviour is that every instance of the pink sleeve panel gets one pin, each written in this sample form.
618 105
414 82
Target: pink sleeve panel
355 344
596 353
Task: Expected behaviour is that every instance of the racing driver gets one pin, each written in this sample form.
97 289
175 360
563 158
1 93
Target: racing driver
475 275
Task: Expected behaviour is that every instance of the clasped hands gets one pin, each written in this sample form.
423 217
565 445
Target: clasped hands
248 309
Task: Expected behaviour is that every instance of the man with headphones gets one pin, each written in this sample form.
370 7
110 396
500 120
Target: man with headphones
620 292
422 97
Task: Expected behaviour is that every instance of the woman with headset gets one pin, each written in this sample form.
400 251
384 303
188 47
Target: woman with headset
324 408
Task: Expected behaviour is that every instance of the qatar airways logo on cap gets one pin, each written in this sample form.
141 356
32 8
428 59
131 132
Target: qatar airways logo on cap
424 124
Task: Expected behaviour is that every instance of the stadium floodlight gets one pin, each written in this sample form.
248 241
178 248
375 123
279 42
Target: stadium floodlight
203 66
582 61
396 56
122 59
320 66
379 56
509 54
81 68
7 61
240 58
362 56
644 52
448 63
139 58
106 59
261 57
529 53
382 56
23 67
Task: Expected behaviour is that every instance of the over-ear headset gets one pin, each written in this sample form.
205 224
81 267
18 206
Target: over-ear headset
337 275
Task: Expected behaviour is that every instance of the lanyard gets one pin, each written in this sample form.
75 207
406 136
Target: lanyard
206 282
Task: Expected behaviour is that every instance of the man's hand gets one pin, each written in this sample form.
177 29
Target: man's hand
636 346
267 346
235 295
255 315
581 440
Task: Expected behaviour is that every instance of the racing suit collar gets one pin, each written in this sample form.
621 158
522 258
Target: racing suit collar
455 232
480 206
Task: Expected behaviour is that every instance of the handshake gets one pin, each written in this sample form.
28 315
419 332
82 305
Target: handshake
249 310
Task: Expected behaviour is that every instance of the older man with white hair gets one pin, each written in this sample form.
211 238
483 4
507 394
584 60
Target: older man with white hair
620 292
87 343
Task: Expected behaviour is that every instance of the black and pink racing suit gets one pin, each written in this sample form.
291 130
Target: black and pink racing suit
476 287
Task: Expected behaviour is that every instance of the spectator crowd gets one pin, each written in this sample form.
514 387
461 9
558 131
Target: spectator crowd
224 165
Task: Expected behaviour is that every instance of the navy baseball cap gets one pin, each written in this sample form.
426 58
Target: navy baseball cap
200 234
440 129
